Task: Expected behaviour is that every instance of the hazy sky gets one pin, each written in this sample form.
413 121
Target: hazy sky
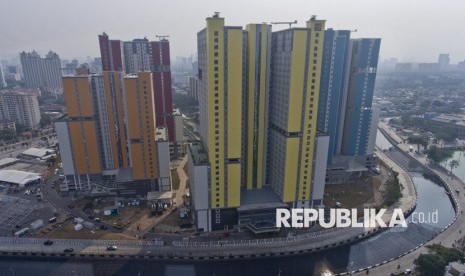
411 30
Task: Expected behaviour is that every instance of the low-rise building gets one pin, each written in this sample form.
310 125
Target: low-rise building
38 153
455 269
21 179
7 125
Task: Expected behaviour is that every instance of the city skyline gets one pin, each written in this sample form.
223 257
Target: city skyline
393 22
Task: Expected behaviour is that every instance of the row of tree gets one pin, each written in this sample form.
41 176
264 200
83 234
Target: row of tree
434 263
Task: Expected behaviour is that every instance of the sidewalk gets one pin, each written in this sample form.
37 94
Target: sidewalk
409 195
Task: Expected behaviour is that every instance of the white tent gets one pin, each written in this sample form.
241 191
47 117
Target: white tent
19 178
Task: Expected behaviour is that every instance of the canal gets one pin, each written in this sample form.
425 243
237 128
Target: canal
384 246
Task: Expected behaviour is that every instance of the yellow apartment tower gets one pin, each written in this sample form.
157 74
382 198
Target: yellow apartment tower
258 100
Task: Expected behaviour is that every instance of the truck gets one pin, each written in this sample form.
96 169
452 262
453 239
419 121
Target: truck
21 232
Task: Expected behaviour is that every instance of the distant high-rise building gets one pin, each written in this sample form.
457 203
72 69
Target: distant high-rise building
2 77
137 56
364 55
404 67
12 73
110 136
51 68
42 72
194 88
96 66
461 65
444 62
20 106
142 55
426 67
333 91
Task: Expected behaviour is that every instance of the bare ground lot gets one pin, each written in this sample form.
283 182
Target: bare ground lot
66 230
361 193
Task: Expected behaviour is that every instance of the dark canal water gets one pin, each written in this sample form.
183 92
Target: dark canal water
384 246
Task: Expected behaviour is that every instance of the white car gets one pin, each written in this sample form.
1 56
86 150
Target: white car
112 247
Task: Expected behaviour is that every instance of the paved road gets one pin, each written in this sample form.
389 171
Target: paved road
182 182
14 150
447 238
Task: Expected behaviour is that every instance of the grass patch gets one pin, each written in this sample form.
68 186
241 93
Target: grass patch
393 189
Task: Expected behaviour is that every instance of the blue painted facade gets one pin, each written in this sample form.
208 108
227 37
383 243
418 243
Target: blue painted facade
331 105
361 83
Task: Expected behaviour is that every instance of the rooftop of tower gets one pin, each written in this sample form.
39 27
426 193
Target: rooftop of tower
198 153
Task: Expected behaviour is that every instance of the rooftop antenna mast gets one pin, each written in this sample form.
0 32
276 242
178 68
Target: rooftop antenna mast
290 23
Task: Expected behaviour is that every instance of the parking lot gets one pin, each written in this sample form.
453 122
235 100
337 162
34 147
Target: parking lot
19 210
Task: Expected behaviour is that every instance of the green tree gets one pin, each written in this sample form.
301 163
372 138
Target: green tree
453 164
438 154
21 128
7 135
393 190
45 120
433 264
419 140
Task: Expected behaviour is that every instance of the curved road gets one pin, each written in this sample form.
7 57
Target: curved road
448 237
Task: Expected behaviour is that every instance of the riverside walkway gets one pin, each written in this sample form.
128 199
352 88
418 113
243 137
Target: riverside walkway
449 236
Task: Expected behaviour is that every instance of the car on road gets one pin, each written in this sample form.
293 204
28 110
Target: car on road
48 242
97 219
103 227
112 248
68 250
